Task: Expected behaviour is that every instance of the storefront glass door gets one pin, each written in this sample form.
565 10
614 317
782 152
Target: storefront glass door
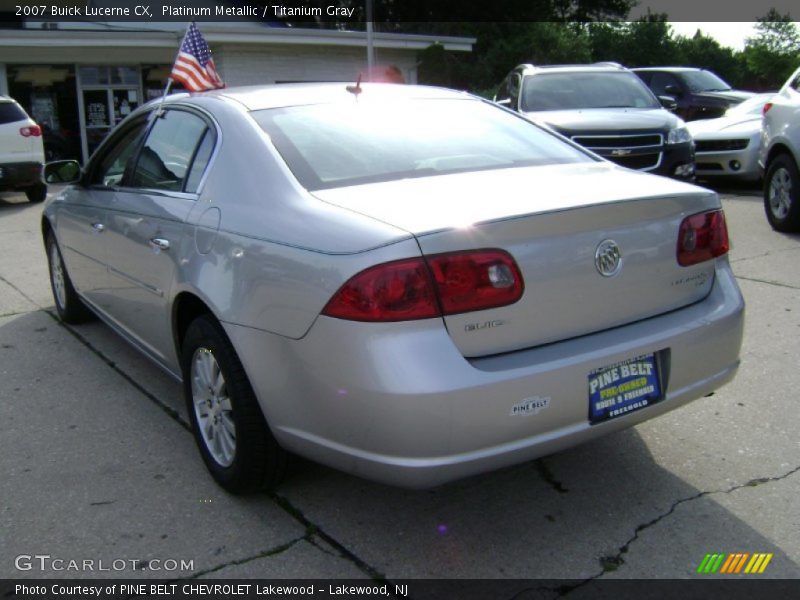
108 94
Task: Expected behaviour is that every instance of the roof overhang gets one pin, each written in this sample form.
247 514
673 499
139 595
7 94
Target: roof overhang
168 35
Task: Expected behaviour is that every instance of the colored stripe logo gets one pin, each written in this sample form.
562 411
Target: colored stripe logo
734 563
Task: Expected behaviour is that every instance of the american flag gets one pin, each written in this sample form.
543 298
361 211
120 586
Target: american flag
194 68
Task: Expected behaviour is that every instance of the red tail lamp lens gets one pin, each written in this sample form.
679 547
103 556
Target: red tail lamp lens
478 280
394 291
702 237
31 130
416 288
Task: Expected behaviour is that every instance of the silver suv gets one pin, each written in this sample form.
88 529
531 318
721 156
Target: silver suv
607 109
21 152
780 156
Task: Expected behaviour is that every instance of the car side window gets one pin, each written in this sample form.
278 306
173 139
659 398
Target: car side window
660 81
166 155
795 85
514 84
200 162
111 166
502 92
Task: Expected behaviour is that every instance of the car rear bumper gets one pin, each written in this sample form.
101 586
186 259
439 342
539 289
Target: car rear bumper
397 403
15 176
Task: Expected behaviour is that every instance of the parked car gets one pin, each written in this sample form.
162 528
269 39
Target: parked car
605 108
699 94
780 156
409 284
21 152
728 146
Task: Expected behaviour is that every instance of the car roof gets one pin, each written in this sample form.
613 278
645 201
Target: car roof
603 67
261 97
670 69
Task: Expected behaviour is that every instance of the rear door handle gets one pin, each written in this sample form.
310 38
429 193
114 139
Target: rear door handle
159 243
98 227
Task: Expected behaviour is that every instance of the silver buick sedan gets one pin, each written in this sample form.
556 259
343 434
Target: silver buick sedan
409 284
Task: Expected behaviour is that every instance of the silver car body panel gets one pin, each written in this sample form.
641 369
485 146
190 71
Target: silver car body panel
402 402
780 131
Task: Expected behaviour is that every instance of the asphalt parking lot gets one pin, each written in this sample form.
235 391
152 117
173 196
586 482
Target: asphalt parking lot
97 464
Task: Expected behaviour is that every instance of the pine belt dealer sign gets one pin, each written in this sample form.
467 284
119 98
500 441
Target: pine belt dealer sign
623 387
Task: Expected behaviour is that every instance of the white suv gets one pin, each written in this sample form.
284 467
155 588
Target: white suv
21 152
780 156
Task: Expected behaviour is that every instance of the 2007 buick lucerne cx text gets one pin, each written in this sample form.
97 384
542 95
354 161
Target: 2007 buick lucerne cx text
406 283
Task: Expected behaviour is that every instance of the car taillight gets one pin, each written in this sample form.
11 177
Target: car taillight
467 281
396 291
30 130
766 108
702 237
421 288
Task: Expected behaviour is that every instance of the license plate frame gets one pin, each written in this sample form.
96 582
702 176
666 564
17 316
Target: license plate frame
624 387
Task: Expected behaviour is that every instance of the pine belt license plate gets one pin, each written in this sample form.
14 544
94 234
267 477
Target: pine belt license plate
624 387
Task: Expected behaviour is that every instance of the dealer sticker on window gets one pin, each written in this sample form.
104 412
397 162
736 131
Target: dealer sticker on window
623 388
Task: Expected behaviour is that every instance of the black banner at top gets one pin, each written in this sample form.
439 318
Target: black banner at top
344 13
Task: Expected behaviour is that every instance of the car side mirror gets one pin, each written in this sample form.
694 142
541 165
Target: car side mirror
669 103
62 171
673 90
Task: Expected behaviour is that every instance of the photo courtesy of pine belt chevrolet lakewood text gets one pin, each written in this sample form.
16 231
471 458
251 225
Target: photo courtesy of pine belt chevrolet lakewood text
409 284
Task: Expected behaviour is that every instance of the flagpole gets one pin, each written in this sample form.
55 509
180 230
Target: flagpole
160 108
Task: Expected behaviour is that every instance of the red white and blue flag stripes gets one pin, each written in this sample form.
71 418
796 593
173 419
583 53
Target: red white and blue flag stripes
194 67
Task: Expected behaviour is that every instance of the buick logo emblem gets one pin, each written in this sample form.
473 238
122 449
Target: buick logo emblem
608 258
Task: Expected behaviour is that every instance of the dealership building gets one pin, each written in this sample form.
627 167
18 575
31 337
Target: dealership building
77 80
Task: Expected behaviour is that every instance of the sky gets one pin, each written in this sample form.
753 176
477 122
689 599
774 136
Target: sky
732 34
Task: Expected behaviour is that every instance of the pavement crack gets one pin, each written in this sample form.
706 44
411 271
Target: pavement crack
20 292
241 561
312 540
612 562
775 283
20 312
313 529
549 477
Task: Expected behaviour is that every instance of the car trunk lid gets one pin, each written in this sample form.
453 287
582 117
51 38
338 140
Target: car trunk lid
553 221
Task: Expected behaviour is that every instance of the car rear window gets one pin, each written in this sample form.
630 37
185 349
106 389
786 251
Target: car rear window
582 90
335 145
11 112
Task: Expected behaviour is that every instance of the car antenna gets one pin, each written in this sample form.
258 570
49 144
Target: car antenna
355 89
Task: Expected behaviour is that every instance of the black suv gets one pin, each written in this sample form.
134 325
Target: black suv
607 109
700 94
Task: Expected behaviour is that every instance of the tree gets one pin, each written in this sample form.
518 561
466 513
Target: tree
774 52
705 52
644 42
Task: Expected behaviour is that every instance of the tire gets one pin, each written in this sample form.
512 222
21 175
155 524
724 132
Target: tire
782 194
36 193
69 306
230 430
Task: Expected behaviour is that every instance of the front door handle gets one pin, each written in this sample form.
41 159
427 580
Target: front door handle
98 227
159 243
